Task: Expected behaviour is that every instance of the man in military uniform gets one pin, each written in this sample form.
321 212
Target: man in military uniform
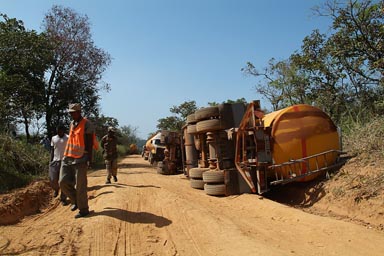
109 146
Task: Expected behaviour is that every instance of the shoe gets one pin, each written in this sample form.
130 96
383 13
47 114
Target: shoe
74 207
114 178
56 193
108 181
81 214
64 203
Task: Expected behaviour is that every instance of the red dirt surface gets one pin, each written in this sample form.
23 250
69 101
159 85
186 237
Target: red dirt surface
145 213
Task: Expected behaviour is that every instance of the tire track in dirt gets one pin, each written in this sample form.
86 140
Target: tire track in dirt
196 217
142 215
146 213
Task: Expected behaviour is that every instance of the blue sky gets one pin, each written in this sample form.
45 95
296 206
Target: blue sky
166 52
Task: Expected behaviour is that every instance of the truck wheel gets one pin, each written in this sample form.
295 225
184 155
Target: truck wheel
191 128
160 168
197 142
150 159
197 173
191 119
214 189
213 176
206 113
197 183
210 125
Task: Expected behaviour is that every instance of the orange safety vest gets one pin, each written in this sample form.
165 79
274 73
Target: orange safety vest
76 144
95 142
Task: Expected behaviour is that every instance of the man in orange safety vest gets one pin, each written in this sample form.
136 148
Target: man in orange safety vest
77 157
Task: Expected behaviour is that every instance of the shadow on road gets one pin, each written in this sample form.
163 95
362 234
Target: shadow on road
133 217
103 193
143 186
116 185
135 165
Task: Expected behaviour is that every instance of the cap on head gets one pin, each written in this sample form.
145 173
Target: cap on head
73 107
111 129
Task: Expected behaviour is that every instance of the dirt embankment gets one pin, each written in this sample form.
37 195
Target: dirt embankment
145 213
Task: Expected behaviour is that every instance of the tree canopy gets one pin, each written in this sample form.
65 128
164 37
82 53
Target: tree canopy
342 73
76 72
41 73
177 121
25 56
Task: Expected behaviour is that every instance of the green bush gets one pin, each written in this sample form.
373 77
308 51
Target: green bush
122 150
20 163
98 160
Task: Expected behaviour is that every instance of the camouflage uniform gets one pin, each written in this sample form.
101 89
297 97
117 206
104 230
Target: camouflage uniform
109 145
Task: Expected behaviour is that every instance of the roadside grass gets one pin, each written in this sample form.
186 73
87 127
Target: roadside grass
364 178
21 163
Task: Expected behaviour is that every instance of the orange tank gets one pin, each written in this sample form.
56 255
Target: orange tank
297 143
301 131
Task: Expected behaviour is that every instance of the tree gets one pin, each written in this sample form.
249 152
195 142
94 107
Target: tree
177 121
353 56
102 123
358 46
359 34
241 100
25 55
325 76
128 135
341 73
78 65
282 83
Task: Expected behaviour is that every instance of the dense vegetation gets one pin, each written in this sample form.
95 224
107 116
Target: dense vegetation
20 162
40 74
341 72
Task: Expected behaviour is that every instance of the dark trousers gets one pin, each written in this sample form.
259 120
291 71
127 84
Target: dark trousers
73 182
54 174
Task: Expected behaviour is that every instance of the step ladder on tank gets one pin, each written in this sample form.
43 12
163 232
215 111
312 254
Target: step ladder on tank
300 168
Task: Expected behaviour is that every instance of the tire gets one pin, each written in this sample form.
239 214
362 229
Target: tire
191 128
191 119
150 159
197 142
160 168
214 189
206 113
160 171
213 177
197 173
197 183
210 125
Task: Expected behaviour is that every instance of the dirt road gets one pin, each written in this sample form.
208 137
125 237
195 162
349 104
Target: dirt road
150 214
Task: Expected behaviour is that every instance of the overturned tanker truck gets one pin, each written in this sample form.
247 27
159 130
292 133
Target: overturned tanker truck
163 151
295 144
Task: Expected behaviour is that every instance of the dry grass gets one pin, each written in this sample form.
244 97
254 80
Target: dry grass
366 140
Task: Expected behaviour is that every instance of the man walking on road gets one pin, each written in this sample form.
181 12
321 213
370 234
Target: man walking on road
58 144
109 145
77 154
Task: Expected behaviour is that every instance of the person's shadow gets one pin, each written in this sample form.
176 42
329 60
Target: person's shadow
133 217
97 187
